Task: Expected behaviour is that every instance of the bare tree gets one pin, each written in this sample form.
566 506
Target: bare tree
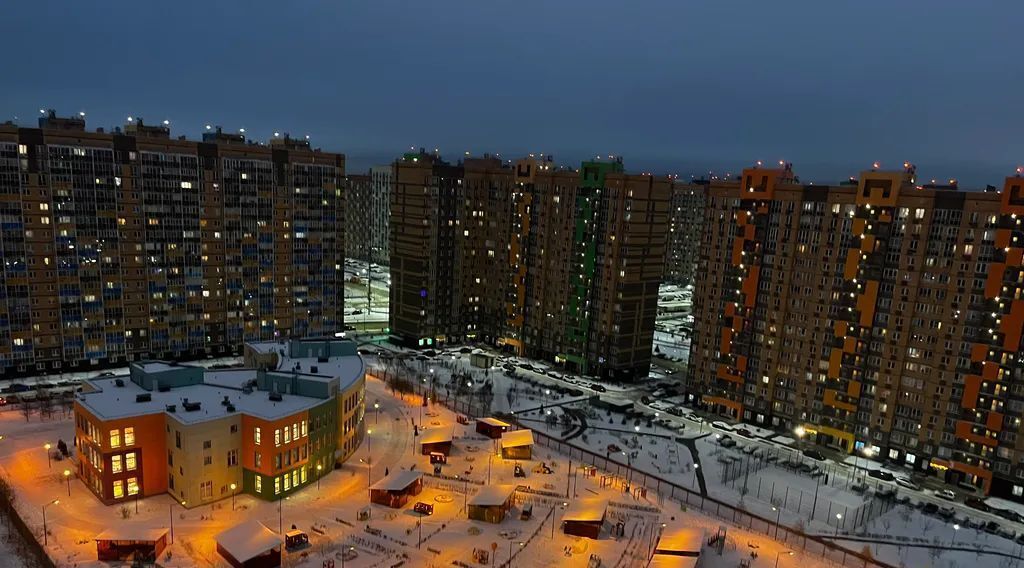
28 406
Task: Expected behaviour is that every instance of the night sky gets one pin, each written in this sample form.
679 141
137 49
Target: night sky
674 86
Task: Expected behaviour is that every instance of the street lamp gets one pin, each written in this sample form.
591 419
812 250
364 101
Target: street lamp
45 505
956 527
521 544
778 519
67 477
319 470
376 413
788 553
696 466
369 466
233 487
839 517
47 447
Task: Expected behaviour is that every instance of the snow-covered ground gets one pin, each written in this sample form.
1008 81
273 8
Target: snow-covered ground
328 513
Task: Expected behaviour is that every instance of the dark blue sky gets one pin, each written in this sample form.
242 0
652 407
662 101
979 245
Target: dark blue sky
673 85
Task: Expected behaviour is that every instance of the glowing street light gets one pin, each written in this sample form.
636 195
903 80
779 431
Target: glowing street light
67 477
839 517
233 487
788 553
376 413
319 470
47 447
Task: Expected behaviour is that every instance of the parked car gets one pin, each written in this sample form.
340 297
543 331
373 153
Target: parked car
814 454
860 488
722 425
598 388
613 448
930 509
888 492
881 474
976 503
423 508
1006 514
947 512
946 494
906 482
727 442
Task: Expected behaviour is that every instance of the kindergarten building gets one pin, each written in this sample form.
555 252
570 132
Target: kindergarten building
268 429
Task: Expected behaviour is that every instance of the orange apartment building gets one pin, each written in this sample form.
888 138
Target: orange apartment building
881 313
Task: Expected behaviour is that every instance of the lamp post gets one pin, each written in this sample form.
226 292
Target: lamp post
839 517
67 477
956 527
280 514
351 548
319 470
788 553
376 413
778 519
696 466
233 487
369 466
45 505
47 447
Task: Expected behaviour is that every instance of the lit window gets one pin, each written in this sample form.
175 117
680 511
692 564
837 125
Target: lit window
287 435
258 460
129 436
277 437
295 477
133 486
118 489
295 431
304 432
287 482
115 438
303 474
129 461
22 149
116 464
44 206
259 483
257 438
186 185
277 486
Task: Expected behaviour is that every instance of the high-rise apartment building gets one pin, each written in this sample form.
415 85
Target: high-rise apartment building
368 213
553 263
131 244
686 223
879 315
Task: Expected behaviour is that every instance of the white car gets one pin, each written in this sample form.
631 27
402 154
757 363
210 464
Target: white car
907 483
721 425
946 494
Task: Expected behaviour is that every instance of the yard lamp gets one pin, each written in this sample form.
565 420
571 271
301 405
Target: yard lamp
788 553
376 413
956 527
67 477
319 469
839 517
47 447
233 487
45 505
778 519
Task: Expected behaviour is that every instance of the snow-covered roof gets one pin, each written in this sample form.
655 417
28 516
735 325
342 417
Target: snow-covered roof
586 510
492 495
680 539
248 540
158 366
670 561
494 422
436 435
517 438
397 481
112 402
128 531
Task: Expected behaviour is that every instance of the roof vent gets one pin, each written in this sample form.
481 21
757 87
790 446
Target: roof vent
144 397
172 408
191 406
276 397
119 382
321 359
225 402
314 369
230 408
163 388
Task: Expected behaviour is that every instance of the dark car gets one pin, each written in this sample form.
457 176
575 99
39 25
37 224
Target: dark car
976 503
614 449
1007 514
880 474
423 508
930 509
814 454
598 388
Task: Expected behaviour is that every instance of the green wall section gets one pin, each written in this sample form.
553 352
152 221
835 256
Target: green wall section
587 209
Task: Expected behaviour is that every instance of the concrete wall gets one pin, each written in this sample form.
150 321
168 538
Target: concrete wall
190 469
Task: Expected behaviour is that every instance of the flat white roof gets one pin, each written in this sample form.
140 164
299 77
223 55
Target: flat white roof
128 531
517 438
669 561
110 401
492 495
680 539
494 422
586 510
398 480
436 435
248 540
